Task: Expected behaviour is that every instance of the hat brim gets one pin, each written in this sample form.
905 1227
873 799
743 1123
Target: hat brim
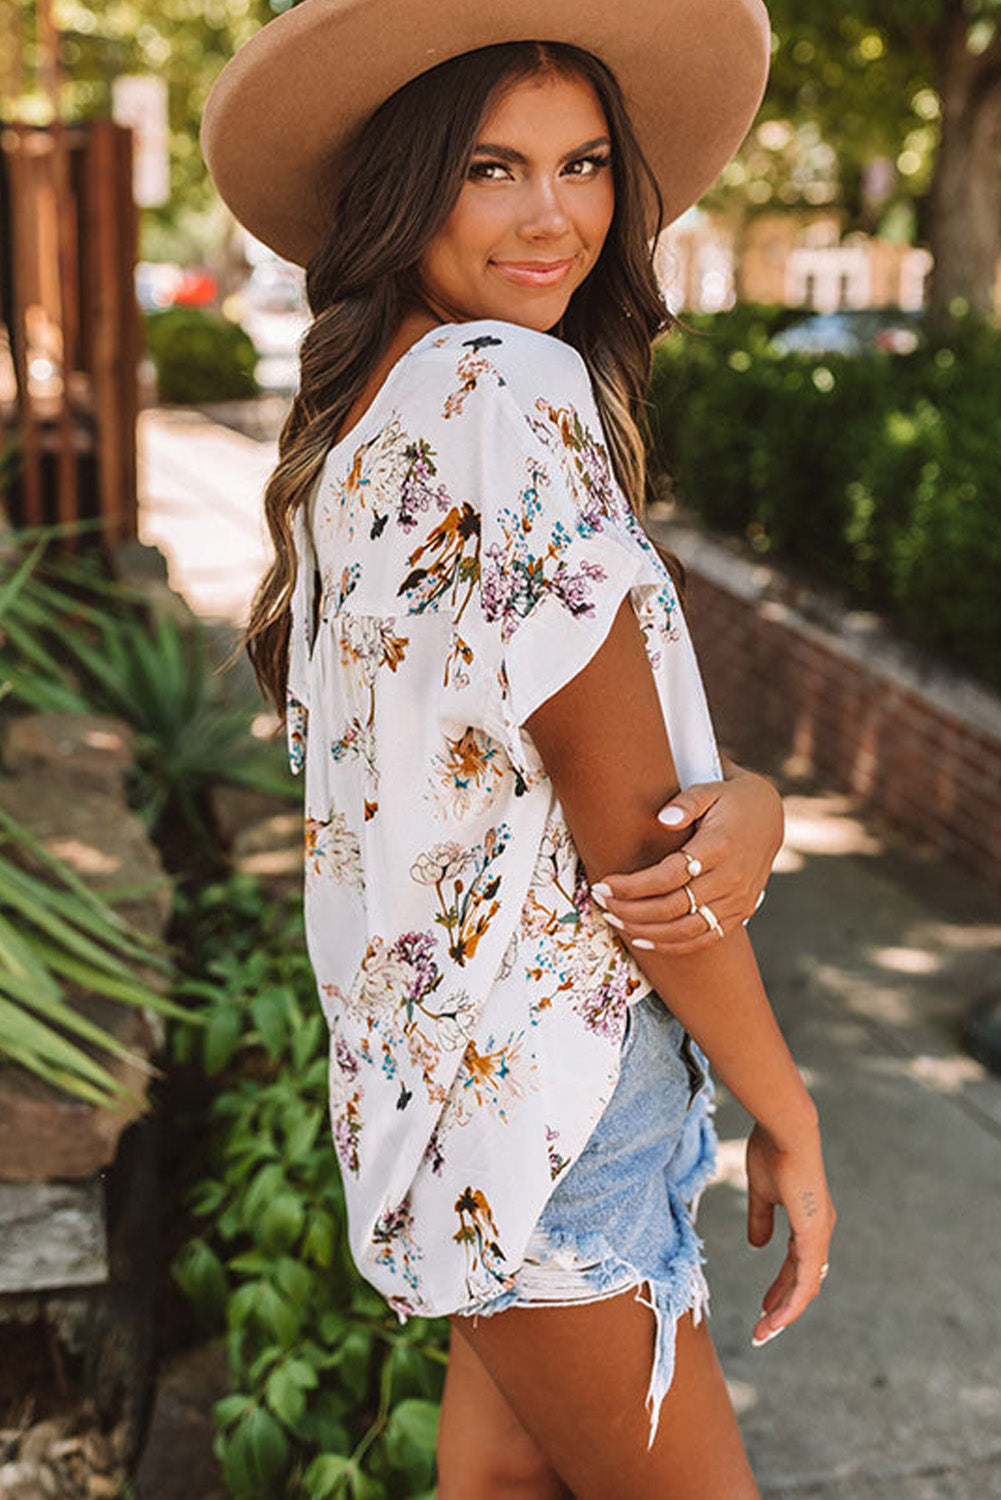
693 73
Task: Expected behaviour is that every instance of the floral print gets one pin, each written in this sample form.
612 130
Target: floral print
367 644
584 461
516 576
470 546
477 1234
463 913
397 1248
333 852
556 1161
564 939
391 474
345 1103
465 775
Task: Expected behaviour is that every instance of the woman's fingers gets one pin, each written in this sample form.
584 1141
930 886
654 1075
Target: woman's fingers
794 1288
705 864
660 879
685 807
650 910
669 922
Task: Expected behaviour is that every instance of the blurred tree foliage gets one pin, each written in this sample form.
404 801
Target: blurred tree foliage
914 84
186 42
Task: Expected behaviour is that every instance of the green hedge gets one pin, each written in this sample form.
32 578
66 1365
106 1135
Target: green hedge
877 474
200 356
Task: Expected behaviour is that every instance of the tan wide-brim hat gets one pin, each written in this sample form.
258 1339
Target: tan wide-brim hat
692 71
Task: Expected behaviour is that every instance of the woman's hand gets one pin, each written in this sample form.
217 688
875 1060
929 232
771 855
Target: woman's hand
795 1178
740 831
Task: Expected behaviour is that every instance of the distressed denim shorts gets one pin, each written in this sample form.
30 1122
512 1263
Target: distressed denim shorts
623 1215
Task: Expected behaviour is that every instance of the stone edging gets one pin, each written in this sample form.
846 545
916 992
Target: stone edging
793 674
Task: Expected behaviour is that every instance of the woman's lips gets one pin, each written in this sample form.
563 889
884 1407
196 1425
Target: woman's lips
533 273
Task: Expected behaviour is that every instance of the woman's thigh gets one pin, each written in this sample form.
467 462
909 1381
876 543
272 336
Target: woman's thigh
484 1451
576 1379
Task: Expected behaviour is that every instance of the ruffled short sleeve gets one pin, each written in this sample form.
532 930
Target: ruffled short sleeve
559 546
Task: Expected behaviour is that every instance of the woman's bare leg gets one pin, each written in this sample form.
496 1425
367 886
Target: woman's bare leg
484 1452
576 1378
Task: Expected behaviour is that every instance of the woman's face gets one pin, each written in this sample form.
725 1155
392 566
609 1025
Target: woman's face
533 212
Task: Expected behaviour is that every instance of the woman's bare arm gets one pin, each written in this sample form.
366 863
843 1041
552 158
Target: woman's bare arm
605 747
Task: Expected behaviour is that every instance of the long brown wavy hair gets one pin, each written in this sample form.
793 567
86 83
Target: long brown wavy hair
399 180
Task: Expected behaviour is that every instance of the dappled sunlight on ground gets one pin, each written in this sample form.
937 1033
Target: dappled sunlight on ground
973 936
946 1075
828 823
730 1167
743 1394
879 1001
905 960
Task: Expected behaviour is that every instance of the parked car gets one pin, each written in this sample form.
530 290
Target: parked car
164 283
861 330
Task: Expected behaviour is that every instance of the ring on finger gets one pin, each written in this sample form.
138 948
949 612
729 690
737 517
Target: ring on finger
713 921
693 905
693 865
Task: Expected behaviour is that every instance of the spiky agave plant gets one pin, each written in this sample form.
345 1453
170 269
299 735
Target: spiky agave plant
57 933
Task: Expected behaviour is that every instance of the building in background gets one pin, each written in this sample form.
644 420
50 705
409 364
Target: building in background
794 260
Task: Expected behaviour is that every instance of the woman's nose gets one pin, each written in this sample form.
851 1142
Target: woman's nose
545 213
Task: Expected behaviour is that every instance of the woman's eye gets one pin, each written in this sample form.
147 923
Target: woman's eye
484 169
597 162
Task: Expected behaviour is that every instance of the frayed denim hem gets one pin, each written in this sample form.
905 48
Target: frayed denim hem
684 1288
567 1263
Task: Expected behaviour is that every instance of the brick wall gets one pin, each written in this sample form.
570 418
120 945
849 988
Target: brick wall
842 700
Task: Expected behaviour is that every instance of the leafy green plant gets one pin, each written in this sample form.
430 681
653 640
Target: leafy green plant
158 680
54 933
45 599
72 641
200 356
332 1397
875 474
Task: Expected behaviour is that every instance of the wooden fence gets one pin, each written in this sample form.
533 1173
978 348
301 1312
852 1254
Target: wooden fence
70 332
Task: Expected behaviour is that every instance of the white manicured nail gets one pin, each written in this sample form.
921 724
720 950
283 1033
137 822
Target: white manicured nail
601 892
671 815
615 921
642 943
758 1343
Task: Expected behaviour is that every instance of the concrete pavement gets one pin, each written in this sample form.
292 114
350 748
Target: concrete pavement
201 488
889 1386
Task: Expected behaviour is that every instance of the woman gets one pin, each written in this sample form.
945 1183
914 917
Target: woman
491 688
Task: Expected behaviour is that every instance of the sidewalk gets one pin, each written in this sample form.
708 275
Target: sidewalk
889 1386
201 488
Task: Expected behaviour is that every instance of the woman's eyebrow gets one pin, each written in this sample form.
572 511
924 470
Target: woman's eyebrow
508 153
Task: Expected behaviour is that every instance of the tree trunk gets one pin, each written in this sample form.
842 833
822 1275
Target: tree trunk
964 220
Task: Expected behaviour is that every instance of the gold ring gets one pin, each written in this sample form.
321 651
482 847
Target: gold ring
693 905
712 919
694 865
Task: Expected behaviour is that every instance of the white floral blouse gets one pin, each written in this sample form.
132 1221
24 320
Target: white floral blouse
463 556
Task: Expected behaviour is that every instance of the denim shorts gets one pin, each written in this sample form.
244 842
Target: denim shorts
623 1215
